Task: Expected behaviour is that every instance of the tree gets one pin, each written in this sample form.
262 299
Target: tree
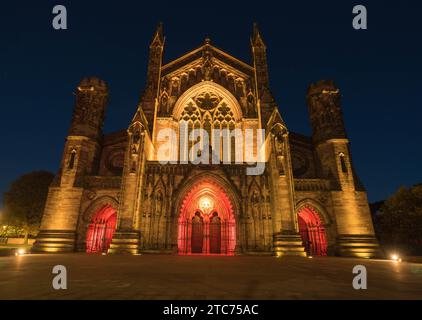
375 208
399 224
25 201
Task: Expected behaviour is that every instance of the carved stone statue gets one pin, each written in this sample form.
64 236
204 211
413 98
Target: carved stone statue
279 145
207 67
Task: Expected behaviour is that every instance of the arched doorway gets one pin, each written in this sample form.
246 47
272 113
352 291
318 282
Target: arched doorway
197 233
206 223
101 229
215 234
312 232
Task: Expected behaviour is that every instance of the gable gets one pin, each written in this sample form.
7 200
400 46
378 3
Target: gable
210 64
207 50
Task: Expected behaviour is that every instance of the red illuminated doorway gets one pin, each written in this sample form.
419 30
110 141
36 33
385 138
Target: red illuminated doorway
206 223
312 232
101 229
197 233
215 234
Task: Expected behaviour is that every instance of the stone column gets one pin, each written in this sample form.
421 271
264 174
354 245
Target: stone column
286 239
126 238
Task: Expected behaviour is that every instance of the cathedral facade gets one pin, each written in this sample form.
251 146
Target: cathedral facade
178 180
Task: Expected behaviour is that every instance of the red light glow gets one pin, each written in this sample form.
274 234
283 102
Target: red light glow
312 231
101 230
206 223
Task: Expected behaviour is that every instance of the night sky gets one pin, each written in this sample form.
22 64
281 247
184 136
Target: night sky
378 71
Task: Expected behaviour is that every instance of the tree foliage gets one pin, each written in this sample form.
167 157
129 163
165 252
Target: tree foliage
399 223
25 201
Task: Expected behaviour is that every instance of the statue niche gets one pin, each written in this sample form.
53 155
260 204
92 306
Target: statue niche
250 103
136 144
278 142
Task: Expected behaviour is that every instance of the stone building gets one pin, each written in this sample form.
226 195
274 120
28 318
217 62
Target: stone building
113 193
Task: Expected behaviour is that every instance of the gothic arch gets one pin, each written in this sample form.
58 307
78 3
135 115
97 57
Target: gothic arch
223 202
278 128
159 186
97 204
204 86
317 207
254 186
314 227
87 215
187 185
136 124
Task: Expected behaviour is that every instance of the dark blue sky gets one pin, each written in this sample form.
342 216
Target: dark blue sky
378 71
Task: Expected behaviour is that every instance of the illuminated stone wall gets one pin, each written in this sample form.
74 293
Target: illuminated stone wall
156 202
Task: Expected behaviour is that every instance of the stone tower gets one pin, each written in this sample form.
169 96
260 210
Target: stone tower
354 225
80 159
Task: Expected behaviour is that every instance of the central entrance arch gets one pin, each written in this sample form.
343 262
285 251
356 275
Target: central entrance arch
206 223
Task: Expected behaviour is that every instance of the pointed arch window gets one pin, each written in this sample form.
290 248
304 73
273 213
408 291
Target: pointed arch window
207 128
232 142
72 159
184 135
197 140
343 162
210 112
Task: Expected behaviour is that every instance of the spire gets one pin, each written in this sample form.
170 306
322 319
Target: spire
259 59
259 56
158 38
257 40
153 75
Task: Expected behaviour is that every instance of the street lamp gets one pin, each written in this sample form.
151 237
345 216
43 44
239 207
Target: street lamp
396 258
20 252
